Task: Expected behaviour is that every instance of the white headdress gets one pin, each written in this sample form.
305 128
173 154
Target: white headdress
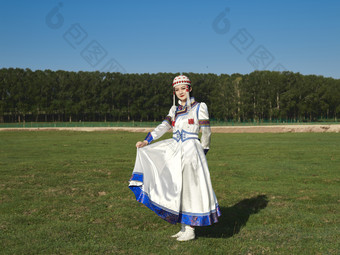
182 80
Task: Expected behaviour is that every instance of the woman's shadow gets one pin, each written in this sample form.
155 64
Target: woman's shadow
234 218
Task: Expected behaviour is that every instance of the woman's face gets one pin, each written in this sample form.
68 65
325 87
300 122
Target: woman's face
181 92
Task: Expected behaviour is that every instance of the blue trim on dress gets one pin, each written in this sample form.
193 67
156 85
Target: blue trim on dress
167 120
182 135
192 219
183 110
137 177
149 138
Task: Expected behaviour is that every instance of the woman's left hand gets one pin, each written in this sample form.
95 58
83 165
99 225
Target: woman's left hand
141 144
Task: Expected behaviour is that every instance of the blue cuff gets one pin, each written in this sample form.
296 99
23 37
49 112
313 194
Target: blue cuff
149 138
206 151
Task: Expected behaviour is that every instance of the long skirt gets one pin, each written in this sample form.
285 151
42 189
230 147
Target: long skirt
173 180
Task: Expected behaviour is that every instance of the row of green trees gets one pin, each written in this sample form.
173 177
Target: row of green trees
27 95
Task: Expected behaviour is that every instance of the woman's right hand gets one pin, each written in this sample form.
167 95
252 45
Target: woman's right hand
141 144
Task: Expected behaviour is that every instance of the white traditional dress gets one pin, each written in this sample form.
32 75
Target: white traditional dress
171 177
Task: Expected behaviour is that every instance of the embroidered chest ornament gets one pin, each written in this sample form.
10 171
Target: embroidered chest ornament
182 80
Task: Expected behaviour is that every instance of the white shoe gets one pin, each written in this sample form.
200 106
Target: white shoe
189 234
180 232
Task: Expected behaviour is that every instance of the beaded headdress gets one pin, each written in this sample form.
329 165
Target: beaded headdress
183 80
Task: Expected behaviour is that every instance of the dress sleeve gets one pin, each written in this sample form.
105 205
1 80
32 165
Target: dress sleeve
204 122
162 128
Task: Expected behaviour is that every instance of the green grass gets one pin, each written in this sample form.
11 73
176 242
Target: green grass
155 123
67 193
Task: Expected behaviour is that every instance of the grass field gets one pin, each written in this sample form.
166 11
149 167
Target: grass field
64 192
155 123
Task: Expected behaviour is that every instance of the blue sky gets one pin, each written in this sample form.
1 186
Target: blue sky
231 36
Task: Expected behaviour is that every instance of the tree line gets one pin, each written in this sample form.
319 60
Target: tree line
45 95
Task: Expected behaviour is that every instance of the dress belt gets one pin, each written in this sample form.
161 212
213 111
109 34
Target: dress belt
184 135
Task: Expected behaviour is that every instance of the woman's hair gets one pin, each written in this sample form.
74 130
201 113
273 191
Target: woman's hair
185 85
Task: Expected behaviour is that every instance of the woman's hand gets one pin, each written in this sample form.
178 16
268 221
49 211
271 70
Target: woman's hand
141 144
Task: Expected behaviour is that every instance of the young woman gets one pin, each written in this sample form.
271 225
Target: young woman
171 177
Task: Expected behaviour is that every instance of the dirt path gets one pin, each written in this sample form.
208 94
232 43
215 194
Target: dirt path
216 129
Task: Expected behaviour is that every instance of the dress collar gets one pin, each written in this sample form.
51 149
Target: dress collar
181 107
